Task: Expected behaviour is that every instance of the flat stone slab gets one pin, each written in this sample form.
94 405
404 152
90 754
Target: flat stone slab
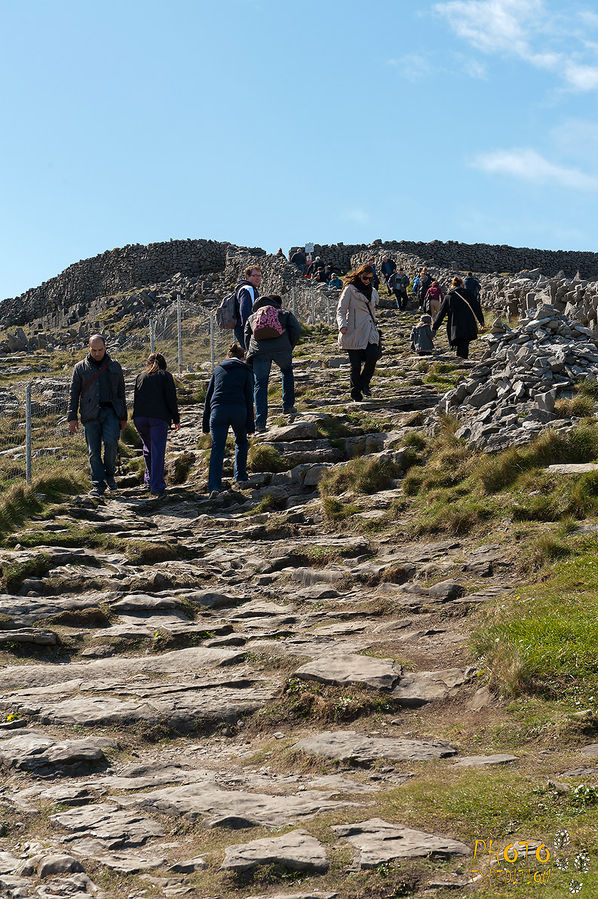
361 671
573 467
310 894
28 635
233 808
417 688
482 761
113 827
8 862
349 746
299 430
378 842
296 850
590 750
42 755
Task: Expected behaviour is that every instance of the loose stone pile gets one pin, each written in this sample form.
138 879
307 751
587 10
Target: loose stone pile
510 396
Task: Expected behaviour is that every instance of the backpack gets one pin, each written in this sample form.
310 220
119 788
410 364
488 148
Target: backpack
227 313
267 324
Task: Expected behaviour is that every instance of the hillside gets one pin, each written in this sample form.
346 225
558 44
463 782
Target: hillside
333 684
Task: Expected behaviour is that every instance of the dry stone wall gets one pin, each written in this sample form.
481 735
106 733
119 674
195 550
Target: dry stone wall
80 286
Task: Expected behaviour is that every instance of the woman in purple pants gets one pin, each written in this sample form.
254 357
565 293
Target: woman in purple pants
154 408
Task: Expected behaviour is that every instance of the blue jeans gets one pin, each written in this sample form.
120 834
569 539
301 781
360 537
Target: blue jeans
153 433
239 333
261 373
221 418
103 429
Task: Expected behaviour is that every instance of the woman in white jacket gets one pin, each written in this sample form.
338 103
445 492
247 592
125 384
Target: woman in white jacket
358 333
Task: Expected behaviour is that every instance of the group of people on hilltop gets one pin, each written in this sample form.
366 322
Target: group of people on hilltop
237 394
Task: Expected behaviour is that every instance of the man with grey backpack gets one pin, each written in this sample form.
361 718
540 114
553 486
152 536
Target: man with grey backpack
270 336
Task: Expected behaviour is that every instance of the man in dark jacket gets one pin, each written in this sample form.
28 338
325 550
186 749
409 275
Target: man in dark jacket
299 260
247 292
472 284
387 268
261 353
98 392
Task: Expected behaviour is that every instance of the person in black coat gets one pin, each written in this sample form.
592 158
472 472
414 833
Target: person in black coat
154 408
462 309
229 403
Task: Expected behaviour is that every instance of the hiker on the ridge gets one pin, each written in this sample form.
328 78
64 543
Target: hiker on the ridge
271 336
229 403
247 292
471 283
98 393
335 281
462 309
358 333
425 281
398 283
387 268
154 408
299 260
433 299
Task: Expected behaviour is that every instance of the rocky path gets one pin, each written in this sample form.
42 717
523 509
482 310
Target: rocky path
217 699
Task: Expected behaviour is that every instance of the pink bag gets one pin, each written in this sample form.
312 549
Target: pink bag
267 324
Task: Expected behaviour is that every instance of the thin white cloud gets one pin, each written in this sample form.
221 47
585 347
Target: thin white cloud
358 216
529 30
529 165
581 77
414 66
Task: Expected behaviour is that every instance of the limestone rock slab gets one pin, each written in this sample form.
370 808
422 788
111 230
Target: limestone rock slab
233 808
417 688
379 841
361 671
296 850
351 747
42 755
113 827
482 761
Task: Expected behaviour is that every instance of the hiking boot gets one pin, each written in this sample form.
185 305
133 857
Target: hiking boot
112 485
95 491
260 429
214 494
366 391
289 410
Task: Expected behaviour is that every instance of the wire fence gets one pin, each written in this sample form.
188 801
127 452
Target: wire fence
34 433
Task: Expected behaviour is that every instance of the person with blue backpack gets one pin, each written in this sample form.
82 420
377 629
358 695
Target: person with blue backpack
271 336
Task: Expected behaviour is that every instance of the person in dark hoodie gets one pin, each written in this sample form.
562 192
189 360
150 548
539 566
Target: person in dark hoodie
462 309
229 403
98 393
247 292
271 336
154 408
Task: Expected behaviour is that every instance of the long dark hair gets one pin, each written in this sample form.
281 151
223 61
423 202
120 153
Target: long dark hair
155 362
353 277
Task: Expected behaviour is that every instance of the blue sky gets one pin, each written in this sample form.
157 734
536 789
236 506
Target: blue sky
270 123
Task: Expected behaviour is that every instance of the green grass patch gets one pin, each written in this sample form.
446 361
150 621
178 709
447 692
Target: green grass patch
544 639
22 501
263 457
361 475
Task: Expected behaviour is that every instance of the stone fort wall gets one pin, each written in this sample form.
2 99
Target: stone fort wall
136 266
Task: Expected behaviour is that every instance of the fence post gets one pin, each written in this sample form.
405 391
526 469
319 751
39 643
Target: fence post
179 330
28 434
327 310
212 340
293 309
313 303
152 335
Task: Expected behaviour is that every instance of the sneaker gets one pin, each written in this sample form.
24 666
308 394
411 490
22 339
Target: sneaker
356 398
112 485
95 491
290 410
242 483
214 494
260 429
366 391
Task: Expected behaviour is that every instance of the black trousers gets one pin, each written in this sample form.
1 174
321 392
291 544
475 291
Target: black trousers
462 349
401 297
363 363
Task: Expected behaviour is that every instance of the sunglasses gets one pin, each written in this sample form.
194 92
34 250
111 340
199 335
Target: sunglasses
366 277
